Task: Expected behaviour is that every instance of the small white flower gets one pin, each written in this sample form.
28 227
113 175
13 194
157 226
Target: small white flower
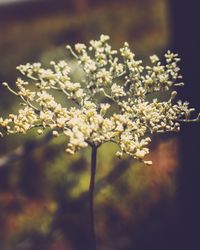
80 47
117 91
154 58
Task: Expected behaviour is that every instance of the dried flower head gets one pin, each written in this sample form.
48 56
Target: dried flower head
113 103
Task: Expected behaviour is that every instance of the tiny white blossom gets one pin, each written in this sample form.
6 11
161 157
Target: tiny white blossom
117 90
154 58
80 47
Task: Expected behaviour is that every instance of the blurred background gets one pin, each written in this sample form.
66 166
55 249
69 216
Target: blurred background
43 191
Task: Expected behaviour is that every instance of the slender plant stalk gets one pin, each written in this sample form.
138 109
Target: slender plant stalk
91 197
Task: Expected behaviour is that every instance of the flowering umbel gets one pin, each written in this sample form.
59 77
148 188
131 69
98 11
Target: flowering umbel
113 103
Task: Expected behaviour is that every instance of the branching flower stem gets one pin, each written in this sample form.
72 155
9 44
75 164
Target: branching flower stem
91 196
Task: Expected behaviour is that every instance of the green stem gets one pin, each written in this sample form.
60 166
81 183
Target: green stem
91 197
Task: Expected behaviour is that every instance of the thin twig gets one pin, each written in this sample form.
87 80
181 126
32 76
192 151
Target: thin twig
91 196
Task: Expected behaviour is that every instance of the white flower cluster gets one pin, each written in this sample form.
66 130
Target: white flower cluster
111 104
